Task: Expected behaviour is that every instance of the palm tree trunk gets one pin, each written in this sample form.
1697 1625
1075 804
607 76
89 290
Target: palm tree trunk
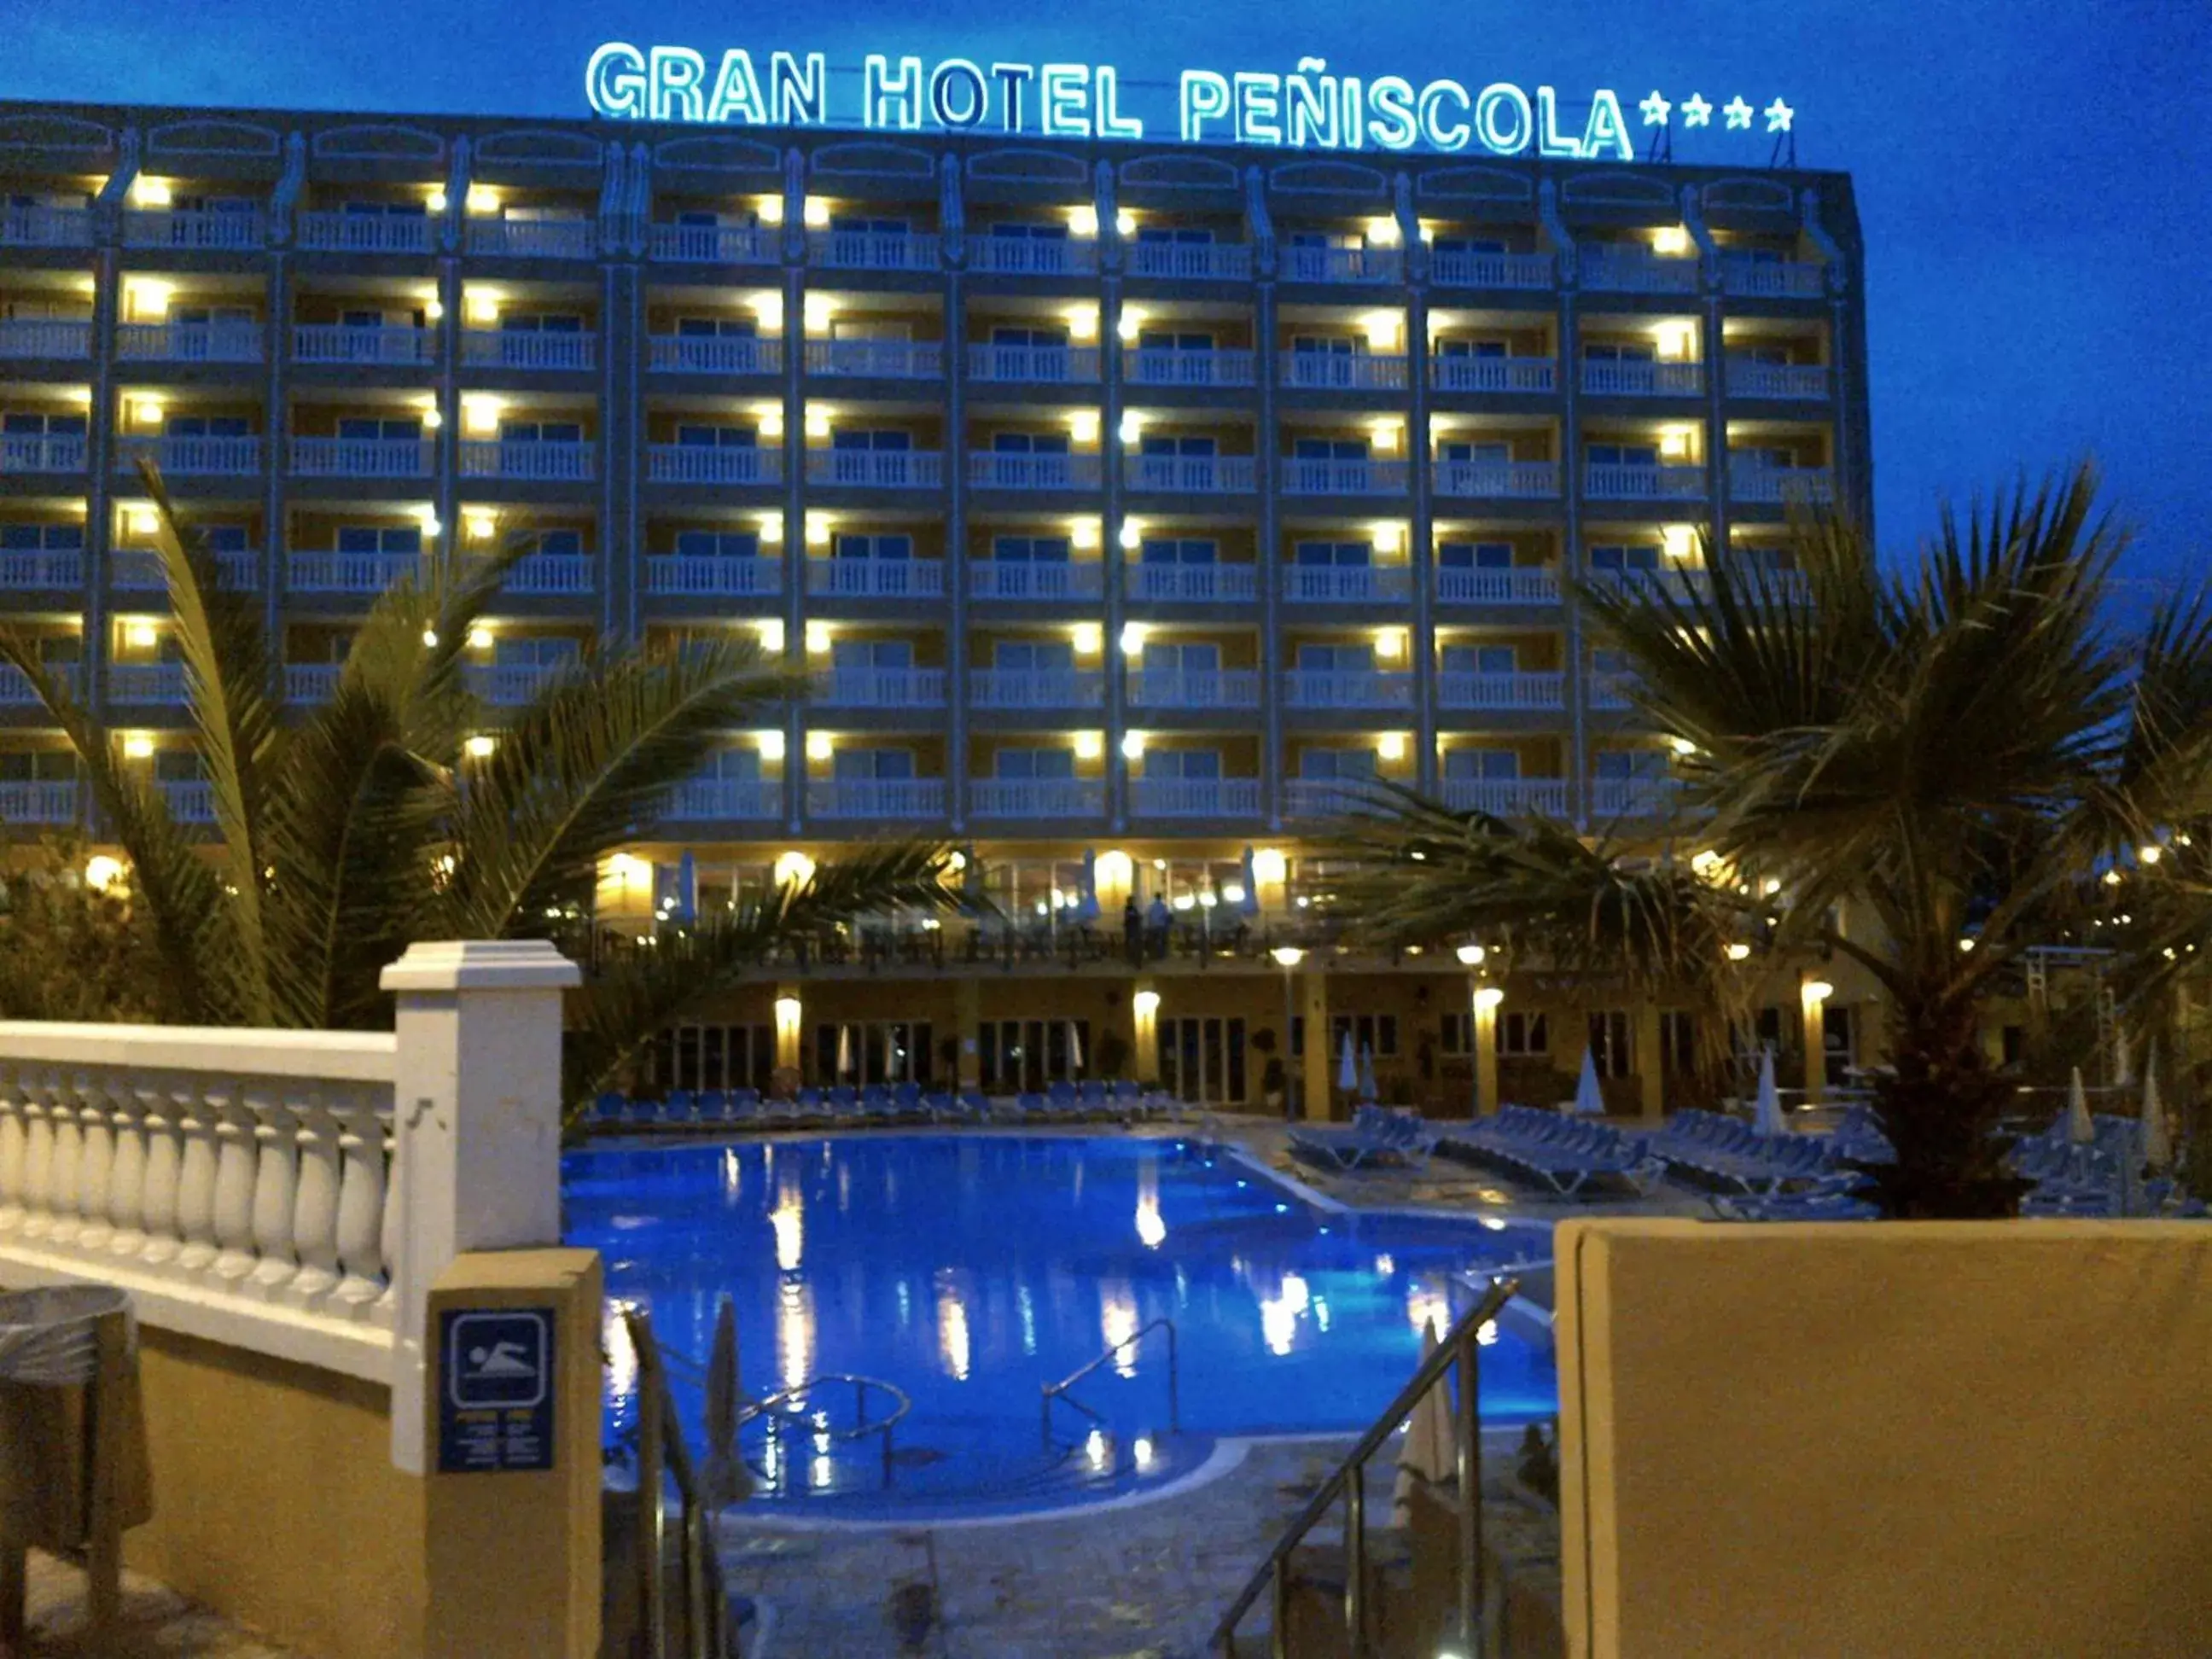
1941 1110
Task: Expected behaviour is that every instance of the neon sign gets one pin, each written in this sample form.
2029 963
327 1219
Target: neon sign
1307 109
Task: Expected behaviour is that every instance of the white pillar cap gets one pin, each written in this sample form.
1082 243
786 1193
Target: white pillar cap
480 964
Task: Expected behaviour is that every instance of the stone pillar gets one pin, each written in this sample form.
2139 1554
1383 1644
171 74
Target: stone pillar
967 1007
1812 999
1313 1006
1145 1016
1486 998
1651 1074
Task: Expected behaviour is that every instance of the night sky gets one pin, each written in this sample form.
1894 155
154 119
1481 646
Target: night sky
2032 174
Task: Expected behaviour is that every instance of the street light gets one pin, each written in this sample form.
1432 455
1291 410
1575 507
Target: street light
1287 957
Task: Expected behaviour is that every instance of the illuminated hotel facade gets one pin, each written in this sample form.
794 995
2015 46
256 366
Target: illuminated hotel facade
1129 500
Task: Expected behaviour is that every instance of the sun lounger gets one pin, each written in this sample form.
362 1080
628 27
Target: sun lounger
1565 1153
1373 1136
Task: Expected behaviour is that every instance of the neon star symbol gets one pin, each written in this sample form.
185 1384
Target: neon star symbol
1655 110
1738 113
1696 112
1779 115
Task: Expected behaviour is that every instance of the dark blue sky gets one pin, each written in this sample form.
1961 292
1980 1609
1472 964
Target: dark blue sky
2032 174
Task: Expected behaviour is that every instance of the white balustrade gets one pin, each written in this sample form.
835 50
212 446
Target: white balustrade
363 232
1191 262
349 573
23 570
880 688
1646 379
1192 475
877 579
1631 481
1525 480
146 682
40 452
1323 688
712 464
1784 485
137 569
1158 366
1507 798
1748 378
1354 476
32 225
1047 365
363 458
1515 585
1781 279
1194 583
875 469
994 469
714 244
882 360
1505 374
1037 689
1036 798
189 343
535 238
1339 371
312 682
1194 798
716 354
53 801
876 798
1461 689
185 458
725 799
1047 579
508 684
55 337
1628 269
872 250
1343 264
717 577
1329 797
193 227
338 342
539 461
1462 268
1344 584
497 348
1194 688
1032 256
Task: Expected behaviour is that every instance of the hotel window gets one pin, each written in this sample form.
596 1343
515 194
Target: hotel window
1160 463
544 651
543 216
1336 660
700 435
373 317
874 765
1006 335
207 316
1620 765
385 210
1482 659
224 537
1030 443
851 439
41 537
369 428
1753 352
1178 550
1467 245
514 322
540 432
709 219
1610 1050
1170 236
1189 763
1678 1041
1463 348
873 1051
1762 456
213 203
1483 765
369 539
1523 1035
1613 351
1046 764
1338 765
1475 555
1489 450
557 544
850 546
1194 657
1178 447
1344 554
1370 1034
1017 230
733 766
61 649
871 654
717 328
714 1056
1630 556
206 426
37 766
178 765
52 425
1034 656
1161 339
1621 454
1029 549
1456 1036
871 328
717 544
853 225
1328 345
1329 449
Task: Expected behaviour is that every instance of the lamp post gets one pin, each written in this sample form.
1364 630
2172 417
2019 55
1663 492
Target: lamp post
1287 957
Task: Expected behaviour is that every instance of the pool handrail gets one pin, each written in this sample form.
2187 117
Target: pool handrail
1059 1390
661 1447
1460 1347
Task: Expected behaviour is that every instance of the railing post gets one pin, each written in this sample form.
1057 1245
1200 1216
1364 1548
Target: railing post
476 1101
1469 1475
1355 1559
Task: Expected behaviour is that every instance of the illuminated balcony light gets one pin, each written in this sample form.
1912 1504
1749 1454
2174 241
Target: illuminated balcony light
1671 241
818 309
819 745
770 744
480 415
1391 745
1083 221
1133 426
1083 322
1383 233
817 212
480 747
137 746
817 423
435 201
771 633
771 527
771 421
1738 950
1133 639
1486 998
483 198
1132 746
770 209
1270 867
1083 426
1125 222
1083 533
817 638
140 635
1129 324
150 192
1133 535
1092 745
817 530
1471 956
480 638
1088 637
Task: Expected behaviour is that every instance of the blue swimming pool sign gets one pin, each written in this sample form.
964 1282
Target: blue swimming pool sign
495 1411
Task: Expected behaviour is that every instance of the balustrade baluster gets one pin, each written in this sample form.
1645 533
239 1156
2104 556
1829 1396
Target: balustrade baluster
12 1129
234 1184
38 1153
200 1109
95 1162
360 1201
386 1309
126 1177
62 1218
315 1199
164 1100
276 1187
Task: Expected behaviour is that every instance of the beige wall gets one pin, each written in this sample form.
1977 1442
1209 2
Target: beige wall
1896 1440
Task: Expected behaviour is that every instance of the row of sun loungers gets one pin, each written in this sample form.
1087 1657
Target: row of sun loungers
1709 1148
845 1106
2102 1176
1565 1153
1374 1136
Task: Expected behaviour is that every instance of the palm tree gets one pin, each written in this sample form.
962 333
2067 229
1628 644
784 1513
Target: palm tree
1939 767
372 820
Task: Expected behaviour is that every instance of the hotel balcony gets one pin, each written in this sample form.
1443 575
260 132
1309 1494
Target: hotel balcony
348 573
138 570
336 342
712 464
1679 584
877 579
1033 365
55 339
16 690
550 575
1192 475
1792 381
1632 798
534 462
1493 374
1631 270
876 798
188 228
1006 579
878 469
716 354
1342 265
1327 798
496 348
533 239
48 802
1781 484
1644 380
1612 690
879 688
1306 476
41 451
713 800
1035 688
33 226
1520 584
1332 371
1504 481
1343 583
363 232
878 360
1162 688
715 245
1473 691
363 458
151 682
1615 481
1192 584
508 684
1782 279
189 800
40 570
1194 798
1507 798
188 343
1459 268
192 458
1190 262
1155 366
1032 256
671 577
1036 798
992 468
1315 687
311 682
872 250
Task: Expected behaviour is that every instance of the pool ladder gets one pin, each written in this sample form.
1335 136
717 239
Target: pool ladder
1059 1390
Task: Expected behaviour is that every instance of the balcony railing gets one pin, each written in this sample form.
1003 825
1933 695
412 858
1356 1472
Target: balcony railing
56 338
1036 687
135 569
1632 271
189 343
191 228
1679 583
1160 367
549 573
499 348
705 464
1786 279
1343 264
506 684
1174 688
1785 484
337 343
1612 690
1194 583
363 232
536 462
1789 380
1036 798
45 226
881 360
41 451
1191 262
1632 798
40 802
1462 689
191 800
716 354
16 690
1005 579
1024 256
1037 365
880 688
713 577
1458 268
877 579
1305 476
1194 798
1525 585
146 682
1192 475
992 468
534 239
1642 380
27 570
707 800
1499 374
348 572
872 250
1506 481
189 458
312 682
1507 798
715 245
1630 482
1323 688
363 458
875 469
1336 371
1347 584
1329 797
876 798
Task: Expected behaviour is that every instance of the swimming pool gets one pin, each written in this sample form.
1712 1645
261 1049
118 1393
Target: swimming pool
968 1270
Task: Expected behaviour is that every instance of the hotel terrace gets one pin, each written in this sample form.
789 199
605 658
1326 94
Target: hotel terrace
1131 505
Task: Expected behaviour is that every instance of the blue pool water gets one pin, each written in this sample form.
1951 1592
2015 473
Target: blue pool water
969 1270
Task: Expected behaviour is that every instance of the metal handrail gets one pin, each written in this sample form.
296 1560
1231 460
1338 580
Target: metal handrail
660 1448
1459 1348
1058 1390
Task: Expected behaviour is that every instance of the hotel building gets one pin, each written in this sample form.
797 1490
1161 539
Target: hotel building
1130 503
